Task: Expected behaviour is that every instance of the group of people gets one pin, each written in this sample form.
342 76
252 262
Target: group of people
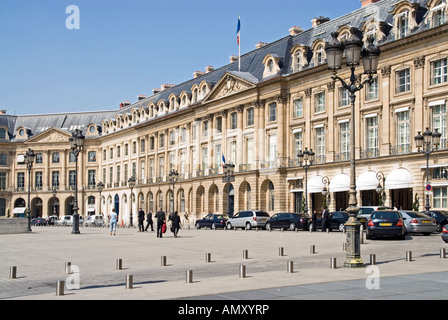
160 217
325 217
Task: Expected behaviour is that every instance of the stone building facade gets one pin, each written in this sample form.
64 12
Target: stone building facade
281 101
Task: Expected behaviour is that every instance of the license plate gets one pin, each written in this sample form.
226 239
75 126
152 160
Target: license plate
385 224
426 221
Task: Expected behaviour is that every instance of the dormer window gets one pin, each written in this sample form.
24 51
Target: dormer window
438 14
271 65
403 24
2 133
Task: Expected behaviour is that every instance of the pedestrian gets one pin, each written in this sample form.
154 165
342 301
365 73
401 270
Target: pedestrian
149 221
141 219
160 216
325 216
113 222
175 219
314 220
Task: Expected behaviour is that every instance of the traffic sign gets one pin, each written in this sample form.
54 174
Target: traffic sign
428 187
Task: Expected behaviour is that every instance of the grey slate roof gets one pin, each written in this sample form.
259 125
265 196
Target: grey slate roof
252 68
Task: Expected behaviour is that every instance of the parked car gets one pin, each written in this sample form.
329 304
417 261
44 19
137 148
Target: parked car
287 220
445 234
94 221
213 221
248 219
68 221
336 221
366 211
440 216
385 223
417 222
52 220
39 221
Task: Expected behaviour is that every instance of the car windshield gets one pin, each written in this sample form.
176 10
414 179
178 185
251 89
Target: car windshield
415 214
384 215
262 214
221 217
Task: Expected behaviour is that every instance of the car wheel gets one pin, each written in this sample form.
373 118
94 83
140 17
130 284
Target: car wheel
268 226
213 226
341 227
198 226
229 226
292 226
248 226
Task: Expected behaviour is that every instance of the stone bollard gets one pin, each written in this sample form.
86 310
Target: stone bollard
290 267
281 251
242 272
60 285
312 249
119 264
129 281
245 254
189 276
13 272
442 253
408 256
373 259
163 261
333 263
208 257
68 268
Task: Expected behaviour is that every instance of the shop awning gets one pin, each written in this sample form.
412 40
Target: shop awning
340 183
315 185
367 181
399 179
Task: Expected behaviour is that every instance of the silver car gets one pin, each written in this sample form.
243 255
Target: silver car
417 222
248 219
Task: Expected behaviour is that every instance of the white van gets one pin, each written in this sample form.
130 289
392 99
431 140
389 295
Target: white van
94 221
68 221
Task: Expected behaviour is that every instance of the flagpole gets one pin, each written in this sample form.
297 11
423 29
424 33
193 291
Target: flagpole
239 43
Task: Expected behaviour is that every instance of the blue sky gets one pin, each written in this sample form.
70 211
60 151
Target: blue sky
126 48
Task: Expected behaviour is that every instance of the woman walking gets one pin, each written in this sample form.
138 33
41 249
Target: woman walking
175 219
113 222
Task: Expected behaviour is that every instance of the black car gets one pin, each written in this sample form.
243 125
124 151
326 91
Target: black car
39 221
445 234
387 223
213 221
287 220
336 221
440 216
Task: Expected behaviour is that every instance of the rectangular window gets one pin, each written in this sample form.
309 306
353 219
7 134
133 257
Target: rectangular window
273 112
298 108
151 143
233 120
372 136
38 180
344 97
403 132
232 152
2 159
272 152
439 71
39 158
250 117
118 174
55 157
55 179
92 156
439 123
20 180
91 178
440 197
161 166
219 124
118 152
249 151
161 141
297 144
218 156
2 181
142 169
151 167
111 175
142 145
320 145
204 158
111 153
402 24
372 90
319 102
403 81
205 129
344 141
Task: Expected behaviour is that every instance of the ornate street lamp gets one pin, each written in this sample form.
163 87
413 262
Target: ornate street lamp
76 144
173 178
380 188
430 142
370 55
325 192
131 181
100 187
306 160
29 161
228 169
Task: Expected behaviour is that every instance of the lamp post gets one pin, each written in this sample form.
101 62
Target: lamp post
29 160
132 180
173 178
54 200
306 160
100 187
325 193
76 144
430 142
370 56
229 169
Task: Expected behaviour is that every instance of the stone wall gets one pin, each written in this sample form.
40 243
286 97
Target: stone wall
13 226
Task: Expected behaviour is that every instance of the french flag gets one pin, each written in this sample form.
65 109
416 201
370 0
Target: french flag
238 29
223 161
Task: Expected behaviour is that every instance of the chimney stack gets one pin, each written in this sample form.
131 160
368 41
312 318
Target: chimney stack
166 86
367 2
233 58
124 104
141 97
319 21
198 74
260 45
209 69
2 111
295 30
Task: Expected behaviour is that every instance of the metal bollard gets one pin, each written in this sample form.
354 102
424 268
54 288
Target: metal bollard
290 267
281 251
13 272
60 288
245 254
312 249
119 264
442 253
189 276
68 267
208 257
373 259
242 271
344 246
333 263
163 261
408 255
129 281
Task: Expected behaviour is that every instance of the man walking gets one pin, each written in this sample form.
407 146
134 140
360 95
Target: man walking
141 218
160 216
149 221
325 217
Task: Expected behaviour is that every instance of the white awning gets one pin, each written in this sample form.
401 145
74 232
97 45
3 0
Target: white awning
19 210
367 181
340 183
315 185
399 179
